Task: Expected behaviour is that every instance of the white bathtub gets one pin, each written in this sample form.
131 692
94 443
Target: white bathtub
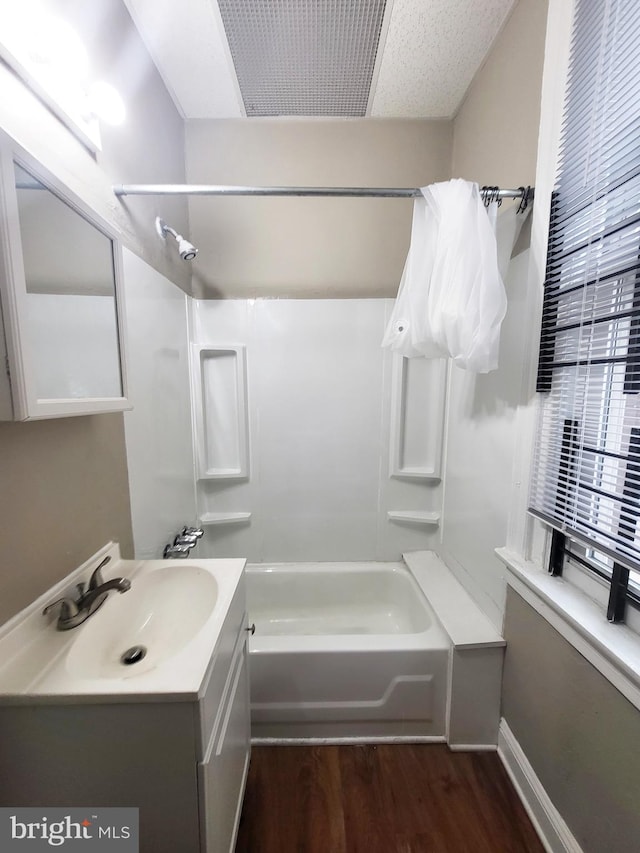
344 651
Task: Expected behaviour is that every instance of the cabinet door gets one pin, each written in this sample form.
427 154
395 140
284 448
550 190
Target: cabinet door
221 777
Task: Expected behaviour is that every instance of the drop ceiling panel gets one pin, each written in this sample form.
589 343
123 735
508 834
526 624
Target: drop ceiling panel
432 51
187 42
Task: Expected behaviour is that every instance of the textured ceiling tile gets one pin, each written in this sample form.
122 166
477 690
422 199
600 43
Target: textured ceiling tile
188 45
303 57
432 51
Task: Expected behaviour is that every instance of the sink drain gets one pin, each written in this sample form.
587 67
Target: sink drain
133 655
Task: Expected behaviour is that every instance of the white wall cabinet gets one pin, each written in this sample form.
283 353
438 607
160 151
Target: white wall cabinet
62 330
181 759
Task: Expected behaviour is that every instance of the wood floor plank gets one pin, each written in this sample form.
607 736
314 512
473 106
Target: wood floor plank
428 795
367 827
508 818
293 801
391 798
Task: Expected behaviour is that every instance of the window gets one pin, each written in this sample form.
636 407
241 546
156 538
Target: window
586 477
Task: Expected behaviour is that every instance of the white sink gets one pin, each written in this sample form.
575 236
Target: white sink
162 612
175 609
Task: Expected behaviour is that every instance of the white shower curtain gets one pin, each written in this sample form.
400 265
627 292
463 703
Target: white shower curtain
451 300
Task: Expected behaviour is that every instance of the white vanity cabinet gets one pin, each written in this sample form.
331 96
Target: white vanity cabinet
182 759
222 772
225 735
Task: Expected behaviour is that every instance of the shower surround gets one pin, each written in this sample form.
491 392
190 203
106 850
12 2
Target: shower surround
297 408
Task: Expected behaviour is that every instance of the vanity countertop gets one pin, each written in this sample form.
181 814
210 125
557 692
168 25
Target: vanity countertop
175 609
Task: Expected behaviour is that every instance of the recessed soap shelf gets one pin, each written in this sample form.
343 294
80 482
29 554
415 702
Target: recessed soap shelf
209 518
220 404
418 387
415 517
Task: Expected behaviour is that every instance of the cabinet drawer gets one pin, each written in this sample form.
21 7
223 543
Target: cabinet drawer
219 679
221 777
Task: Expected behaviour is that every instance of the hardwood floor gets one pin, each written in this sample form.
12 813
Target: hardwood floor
391 798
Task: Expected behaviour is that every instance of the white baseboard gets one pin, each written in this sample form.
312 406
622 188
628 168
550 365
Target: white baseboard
345 741
472 747
554 833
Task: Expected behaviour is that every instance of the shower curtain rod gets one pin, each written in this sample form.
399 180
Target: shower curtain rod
524 193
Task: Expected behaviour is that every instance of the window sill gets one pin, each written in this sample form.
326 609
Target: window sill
613 649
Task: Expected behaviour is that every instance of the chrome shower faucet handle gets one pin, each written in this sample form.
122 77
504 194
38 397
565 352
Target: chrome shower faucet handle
175 551
198 532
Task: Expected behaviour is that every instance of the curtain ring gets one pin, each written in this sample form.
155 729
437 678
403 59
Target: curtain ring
524 200
490 195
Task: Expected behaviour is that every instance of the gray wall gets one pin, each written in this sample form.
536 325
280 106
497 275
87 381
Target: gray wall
301 247
64 495
147 148
580 734
64 490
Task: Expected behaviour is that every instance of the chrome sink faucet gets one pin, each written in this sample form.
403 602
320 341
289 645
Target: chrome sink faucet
74 611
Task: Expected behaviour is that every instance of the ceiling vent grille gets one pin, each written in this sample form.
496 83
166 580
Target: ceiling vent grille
304 57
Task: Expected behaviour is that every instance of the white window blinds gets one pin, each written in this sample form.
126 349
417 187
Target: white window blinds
586 480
